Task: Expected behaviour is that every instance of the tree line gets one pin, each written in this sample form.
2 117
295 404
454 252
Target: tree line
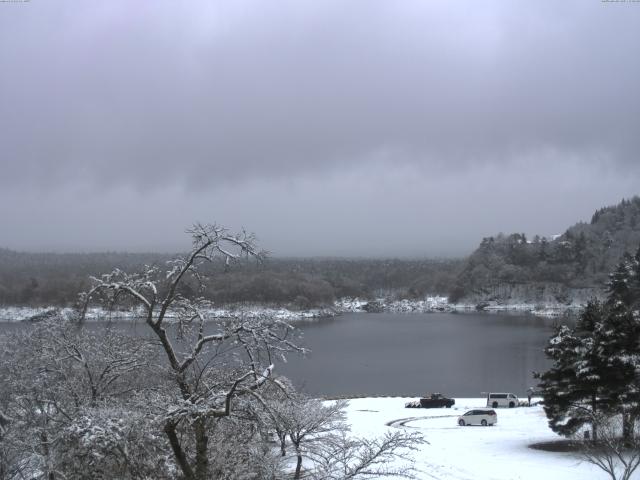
49 279
581 257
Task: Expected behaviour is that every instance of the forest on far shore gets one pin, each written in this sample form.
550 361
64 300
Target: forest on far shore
581 257
50 279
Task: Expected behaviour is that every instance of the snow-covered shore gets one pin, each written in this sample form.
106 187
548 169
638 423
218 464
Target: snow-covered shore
21 314
451 452
441 304
345 305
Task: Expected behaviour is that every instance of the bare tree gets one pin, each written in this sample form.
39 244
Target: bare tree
241 451
318 433
209 369
342 457
108 442
280 399
309 422
12 459
50 374
616 456
73 406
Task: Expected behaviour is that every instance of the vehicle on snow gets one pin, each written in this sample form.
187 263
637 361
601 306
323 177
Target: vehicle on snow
478 416
495 400
432 400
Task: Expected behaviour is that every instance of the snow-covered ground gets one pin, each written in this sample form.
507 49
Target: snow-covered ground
452 452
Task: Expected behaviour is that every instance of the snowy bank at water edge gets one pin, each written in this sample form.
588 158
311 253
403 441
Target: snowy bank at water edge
25 314
344 305
441 304
429 304
451 452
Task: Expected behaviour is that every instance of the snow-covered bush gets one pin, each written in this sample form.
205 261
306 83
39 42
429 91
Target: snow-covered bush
51 374
108 443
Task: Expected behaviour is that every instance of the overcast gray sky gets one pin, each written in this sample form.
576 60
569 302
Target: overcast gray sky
397 127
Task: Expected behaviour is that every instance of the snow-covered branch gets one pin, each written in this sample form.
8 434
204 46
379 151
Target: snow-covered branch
342 457
211 363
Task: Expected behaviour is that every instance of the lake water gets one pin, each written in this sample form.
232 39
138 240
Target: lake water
411 354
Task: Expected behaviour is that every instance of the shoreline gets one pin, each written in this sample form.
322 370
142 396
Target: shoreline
346 305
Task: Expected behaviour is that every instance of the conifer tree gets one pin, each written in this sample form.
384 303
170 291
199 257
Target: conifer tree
619 287
558 384
597 364
620 338
572 387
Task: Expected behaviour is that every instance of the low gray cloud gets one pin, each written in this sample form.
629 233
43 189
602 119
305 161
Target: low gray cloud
189 100
377 209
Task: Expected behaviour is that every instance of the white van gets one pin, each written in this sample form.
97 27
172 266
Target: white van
495 400
479 416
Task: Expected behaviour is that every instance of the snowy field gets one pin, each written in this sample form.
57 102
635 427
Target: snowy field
500 452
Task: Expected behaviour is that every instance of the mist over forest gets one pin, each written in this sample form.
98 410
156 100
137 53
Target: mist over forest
581 258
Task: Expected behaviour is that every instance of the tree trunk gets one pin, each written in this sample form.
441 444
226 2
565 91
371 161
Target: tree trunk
594 427
45 450
283 443
181 458
202 450
296 443
627 427
298 467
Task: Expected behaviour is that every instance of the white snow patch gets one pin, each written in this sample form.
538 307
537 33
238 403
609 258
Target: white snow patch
500 452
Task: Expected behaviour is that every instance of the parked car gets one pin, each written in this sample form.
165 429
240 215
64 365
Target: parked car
479 416
432 400
495 400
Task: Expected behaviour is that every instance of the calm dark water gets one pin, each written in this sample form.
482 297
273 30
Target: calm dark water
411 354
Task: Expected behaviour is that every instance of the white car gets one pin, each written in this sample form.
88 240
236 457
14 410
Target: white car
496 400
479 416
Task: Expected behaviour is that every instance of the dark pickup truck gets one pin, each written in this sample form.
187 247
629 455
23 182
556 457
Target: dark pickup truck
434 400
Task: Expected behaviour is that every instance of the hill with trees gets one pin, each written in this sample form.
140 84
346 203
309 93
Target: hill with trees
571 267
51 279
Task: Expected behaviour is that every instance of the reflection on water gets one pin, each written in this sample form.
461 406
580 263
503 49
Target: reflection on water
410 354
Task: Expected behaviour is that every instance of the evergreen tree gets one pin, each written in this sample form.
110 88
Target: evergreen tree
572 388
558 384
620 340
597 364
590 365
634 288
619 287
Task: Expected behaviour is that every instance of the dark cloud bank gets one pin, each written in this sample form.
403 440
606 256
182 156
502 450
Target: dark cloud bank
329 128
